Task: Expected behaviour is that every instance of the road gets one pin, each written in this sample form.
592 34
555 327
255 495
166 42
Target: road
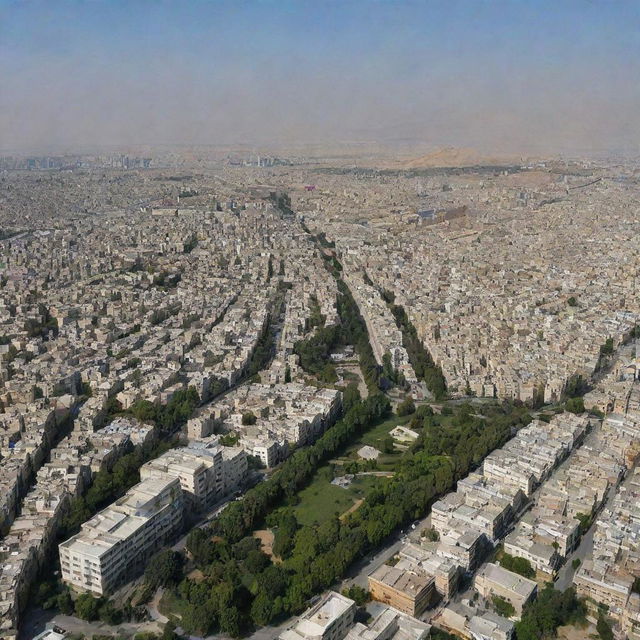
360 571
566 573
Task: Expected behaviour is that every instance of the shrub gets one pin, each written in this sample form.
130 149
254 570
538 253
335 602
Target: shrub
248 418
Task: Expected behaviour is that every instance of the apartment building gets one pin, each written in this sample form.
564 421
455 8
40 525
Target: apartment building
468 621
435 559
390 624
206 471
329 619
409 591
199 473
493 580
116 543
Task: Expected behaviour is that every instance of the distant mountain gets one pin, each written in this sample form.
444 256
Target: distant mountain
456 157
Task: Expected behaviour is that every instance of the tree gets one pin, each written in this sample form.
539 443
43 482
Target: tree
575 405
607 348
164 569
256 561
197 620
518 565
284 534
248 418
387 367
550 610
406 407
230 621
388 445
604 628
200 547
430 534
585 522
328 374
572 302
109 614
87 607
358 594
65 603
77 515
350 396
503 607
262 609
169 631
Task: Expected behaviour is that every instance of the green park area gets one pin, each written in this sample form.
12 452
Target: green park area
295 534
322 500
377 435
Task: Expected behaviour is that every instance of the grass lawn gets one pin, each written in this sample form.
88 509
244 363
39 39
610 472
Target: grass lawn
375 436
170 604
321 500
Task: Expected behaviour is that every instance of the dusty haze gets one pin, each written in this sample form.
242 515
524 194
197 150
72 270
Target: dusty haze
493 76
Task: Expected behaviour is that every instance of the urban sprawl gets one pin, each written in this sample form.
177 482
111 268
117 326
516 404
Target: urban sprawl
318 398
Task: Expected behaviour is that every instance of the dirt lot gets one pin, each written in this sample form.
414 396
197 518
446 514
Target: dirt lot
266 541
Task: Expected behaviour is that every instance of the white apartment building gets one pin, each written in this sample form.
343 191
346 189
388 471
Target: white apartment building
270 452
206 471
116 543
390 624
329 619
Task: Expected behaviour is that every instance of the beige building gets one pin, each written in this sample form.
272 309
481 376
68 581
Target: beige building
409 591
390 624
116 543
467 621
206 472
493 580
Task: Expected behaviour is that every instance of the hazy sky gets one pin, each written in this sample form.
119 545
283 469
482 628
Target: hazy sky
544 75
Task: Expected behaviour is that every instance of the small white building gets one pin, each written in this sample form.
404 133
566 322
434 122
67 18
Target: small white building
368 452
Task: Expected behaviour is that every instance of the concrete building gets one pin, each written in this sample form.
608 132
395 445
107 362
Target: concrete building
390 624
116 543
329 619
207 472
410 591
493 580
468 621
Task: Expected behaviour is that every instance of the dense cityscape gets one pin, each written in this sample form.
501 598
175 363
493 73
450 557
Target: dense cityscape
319 320
308 400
